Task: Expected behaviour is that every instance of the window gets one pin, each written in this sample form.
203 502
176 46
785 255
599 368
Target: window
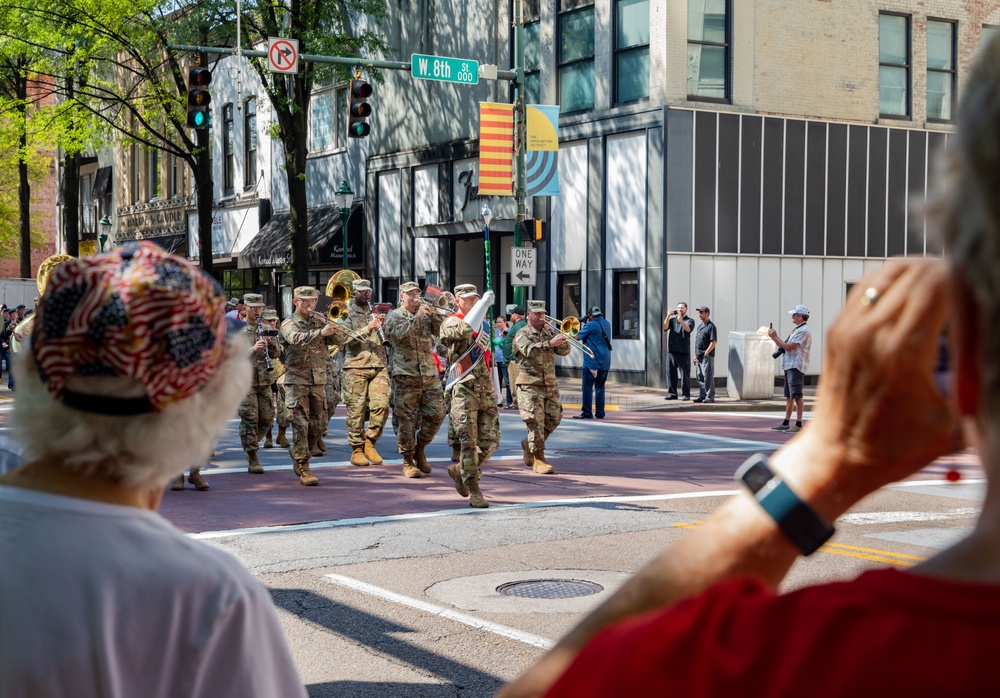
153 174
250 142
568 300
631 50
708 50
175 177
940 70
532 63
228 161
576 55
134 179
989 31
321 126
625 302
894 65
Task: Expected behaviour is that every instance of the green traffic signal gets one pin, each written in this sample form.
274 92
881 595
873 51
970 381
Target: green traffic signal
358 109
199 98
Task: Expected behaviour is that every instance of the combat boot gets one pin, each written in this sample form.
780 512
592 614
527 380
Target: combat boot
358 456
281 440
253 465
305 475
529 459
421 460
455 470
371 454
177 483
540 466
409 469
321 445
267 440
476 498
456 454
296 467
197 480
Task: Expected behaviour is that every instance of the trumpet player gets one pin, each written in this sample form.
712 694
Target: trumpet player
535 347
417 398
364 382
256 411
306 340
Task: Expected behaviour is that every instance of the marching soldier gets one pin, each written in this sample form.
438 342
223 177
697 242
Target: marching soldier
334 366
257 410
270 319
535 347
306 340
474 409
365 383
418 401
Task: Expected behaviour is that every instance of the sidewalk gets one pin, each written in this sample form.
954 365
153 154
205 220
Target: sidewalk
636 398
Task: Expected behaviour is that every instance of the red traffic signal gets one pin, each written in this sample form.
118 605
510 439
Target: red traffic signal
358 109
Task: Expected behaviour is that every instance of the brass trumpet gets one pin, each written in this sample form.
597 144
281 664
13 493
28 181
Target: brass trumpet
440 302
569 327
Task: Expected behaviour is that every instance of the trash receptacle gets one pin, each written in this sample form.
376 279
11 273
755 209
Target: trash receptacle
751 367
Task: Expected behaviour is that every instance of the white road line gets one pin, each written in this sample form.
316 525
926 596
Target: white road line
750 446
885 517
472 621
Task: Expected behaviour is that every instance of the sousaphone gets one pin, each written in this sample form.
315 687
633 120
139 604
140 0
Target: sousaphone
45 269
339 288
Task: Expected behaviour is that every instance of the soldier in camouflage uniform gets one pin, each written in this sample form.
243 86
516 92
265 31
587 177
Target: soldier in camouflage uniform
334 364
306 340
418 401
270 319
365 382
257 411
474 409
535 347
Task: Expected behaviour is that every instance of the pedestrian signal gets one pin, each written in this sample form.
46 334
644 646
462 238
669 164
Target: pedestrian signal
532 230
358 109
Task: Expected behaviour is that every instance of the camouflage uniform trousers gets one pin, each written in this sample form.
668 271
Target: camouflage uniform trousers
417 410
256 414
477 423
307 409
453 439
541 412
365 391
332 394
281 409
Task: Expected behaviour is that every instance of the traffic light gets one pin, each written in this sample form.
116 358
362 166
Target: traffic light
199 99
358 109
532 230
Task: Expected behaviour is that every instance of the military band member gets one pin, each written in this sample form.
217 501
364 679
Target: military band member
334 368
364 381
535 347
270 319
306 340
474 409
257 409
418 400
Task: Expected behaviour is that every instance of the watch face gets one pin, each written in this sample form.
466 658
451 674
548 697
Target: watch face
755 473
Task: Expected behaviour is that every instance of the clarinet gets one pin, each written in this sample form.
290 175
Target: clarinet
267 353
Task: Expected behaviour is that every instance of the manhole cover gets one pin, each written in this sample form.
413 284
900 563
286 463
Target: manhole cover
549 588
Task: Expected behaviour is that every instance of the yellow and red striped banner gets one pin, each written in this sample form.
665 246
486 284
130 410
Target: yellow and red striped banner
496 149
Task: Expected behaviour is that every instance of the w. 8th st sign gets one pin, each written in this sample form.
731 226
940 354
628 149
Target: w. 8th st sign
460 70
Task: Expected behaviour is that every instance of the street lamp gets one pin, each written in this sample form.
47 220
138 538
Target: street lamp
487 214
105 224
345 197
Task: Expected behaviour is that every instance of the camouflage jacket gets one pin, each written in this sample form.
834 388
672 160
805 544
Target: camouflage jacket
456 338
305 350
358 354
536 363
413 341
261 376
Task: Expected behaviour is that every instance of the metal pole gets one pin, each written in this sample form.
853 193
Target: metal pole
344 214
520 133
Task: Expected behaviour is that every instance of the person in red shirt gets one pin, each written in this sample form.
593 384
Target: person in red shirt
704 618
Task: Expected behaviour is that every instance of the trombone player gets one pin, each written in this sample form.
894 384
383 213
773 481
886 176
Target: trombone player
364 382
256 411
417 398
535 348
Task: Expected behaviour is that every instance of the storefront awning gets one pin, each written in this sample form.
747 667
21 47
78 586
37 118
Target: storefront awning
272 246
460 228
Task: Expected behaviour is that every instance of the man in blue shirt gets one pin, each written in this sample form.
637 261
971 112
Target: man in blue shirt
704 356
596 334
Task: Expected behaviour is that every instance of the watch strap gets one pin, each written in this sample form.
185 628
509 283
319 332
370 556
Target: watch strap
798 521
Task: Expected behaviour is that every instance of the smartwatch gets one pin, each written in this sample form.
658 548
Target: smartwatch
798 521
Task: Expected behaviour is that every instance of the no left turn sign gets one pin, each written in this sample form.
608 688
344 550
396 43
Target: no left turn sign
283 55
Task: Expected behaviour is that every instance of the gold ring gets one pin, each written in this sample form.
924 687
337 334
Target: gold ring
870 296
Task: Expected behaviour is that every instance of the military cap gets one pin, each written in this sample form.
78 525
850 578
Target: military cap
306 292
466 291
409 286
269 314
536 306
254 300
361 285
234 301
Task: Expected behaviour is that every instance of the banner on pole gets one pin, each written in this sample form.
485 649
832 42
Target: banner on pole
541 176
496 149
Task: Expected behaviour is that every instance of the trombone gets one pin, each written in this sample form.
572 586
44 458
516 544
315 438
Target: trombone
569 327
339 325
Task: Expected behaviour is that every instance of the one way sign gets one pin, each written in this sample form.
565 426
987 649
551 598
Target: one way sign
522 266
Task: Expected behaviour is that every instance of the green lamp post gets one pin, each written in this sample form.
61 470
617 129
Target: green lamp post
345 197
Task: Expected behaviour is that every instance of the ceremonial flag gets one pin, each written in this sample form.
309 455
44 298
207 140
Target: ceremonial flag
496 149
541 176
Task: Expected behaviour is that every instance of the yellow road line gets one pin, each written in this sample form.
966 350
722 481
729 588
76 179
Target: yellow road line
877 552
874 558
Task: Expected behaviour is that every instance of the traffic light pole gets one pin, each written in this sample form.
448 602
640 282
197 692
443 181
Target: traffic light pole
520 135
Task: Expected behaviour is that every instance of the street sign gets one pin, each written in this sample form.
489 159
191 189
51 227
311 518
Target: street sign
283 55
460 70
522 266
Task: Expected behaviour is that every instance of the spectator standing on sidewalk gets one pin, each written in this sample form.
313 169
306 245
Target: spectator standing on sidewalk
794 362
704 356
678 327
596 334
517 321
499 334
